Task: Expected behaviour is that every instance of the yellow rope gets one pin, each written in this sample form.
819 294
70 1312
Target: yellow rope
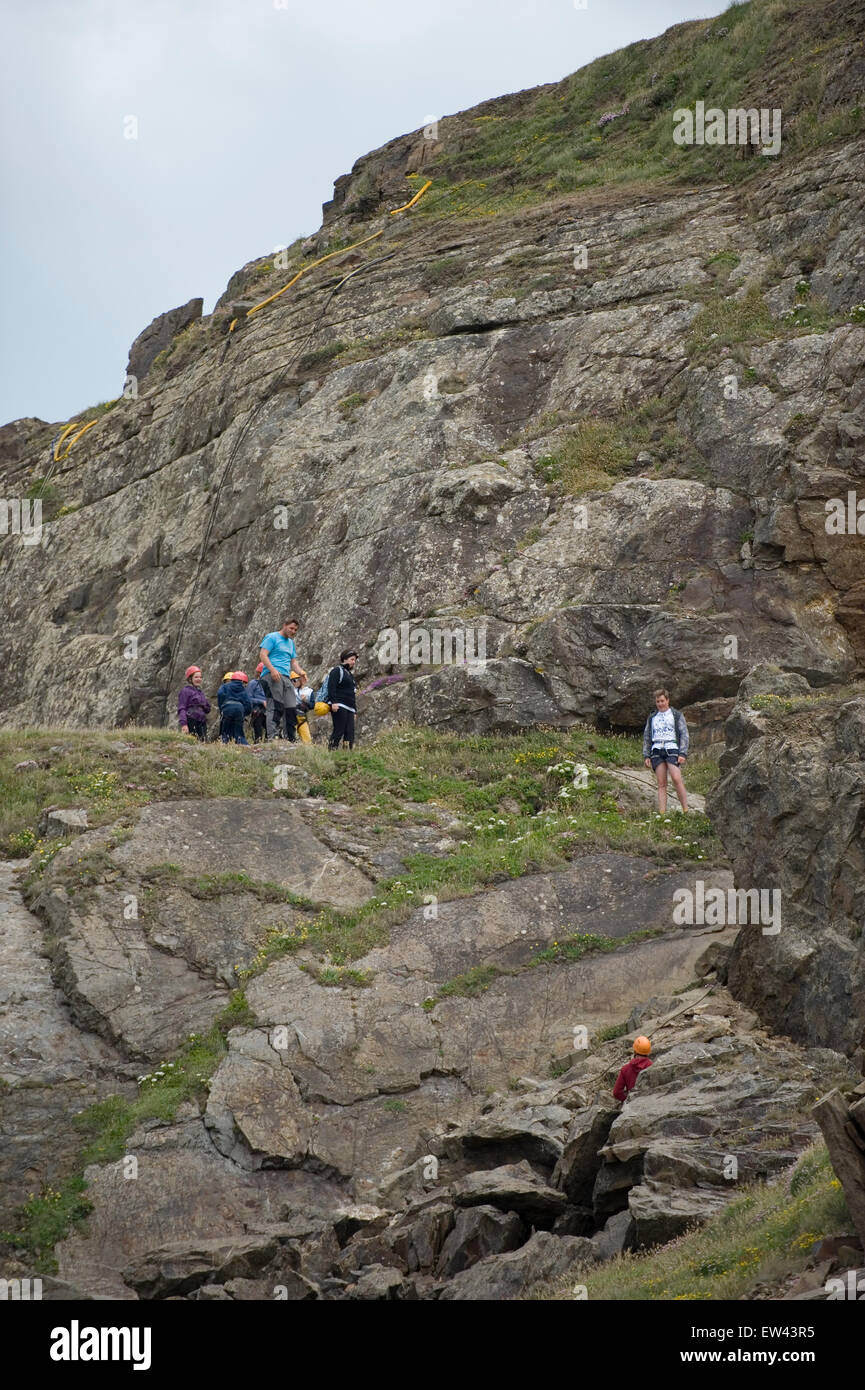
405 207
341 252
58 457
321 260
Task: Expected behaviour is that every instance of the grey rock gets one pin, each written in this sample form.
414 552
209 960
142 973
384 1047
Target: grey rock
478 1232
158 334
543 1257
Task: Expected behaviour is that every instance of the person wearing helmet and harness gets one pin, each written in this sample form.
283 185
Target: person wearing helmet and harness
193 706
235 705
627 1077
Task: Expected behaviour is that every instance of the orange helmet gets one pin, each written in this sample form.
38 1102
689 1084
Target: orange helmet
191 671
642 1046
240 676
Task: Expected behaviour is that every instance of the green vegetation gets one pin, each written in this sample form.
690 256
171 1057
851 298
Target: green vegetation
595 452
587 943
776 705
609 1034
551 141
111 772
106 1126
350 404
508 804
764 1234
317 357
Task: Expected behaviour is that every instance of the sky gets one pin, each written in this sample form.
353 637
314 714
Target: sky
152 147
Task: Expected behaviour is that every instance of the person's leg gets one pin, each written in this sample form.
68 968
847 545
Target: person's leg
224 727
338 717
273 710
349 727
661 779
291 724
676 774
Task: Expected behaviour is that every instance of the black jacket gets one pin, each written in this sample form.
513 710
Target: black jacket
341 688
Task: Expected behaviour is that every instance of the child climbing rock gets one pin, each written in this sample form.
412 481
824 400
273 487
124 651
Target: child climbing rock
193 705
627 1077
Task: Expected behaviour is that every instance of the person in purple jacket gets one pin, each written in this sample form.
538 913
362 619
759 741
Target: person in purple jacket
193 706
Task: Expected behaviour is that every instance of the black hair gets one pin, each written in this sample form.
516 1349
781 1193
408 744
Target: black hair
344 656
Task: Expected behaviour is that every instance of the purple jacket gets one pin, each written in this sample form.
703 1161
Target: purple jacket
192 703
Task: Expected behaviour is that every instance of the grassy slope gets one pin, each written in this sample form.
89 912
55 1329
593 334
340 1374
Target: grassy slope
765 1234
518 150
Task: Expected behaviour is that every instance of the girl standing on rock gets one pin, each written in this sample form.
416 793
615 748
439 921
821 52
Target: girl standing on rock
665 745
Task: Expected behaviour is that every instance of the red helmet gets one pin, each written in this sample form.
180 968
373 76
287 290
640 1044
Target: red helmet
259 668
240 676
191 671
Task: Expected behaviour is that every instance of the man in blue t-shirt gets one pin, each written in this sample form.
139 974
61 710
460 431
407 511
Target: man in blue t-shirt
279 654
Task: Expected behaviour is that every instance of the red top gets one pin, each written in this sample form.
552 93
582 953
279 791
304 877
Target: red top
627 1077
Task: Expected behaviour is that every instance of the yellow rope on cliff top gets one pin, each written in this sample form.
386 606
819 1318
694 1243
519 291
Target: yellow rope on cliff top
411 203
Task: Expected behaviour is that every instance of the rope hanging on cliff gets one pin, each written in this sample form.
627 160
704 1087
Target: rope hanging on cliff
58 457
342 250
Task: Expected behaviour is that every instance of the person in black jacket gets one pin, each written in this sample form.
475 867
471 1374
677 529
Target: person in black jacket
341 695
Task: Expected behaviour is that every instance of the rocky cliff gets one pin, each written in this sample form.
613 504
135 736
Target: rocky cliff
598 430
349 1031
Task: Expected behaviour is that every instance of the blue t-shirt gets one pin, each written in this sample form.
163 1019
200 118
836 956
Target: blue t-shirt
281 651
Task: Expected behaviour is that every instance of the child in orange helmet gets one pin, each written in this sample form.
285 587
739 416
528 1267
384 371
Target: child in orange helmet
627 1077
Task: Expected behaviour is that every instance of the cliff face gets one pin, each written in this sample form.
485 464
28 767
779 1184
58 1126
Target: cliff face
614 473
791 812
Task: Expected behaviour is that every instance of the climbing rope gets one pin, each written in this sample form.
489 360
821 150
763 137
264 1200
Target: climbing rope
58 457
321 260
417 197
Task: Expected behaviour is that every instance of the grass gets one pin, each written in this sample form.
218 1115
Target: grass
513 800
776 705
105 1127
85 770
520 150
764 1234
594 453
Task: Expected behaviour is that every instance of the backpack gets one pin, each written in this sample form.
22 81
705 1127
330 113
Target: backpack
321 693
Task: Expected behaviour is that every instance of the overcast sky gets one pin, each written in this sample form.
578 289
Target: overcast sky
247 110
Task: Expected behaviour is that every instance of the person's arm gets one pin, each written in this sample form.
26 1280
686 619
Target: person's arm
620 1090
330 684
264 655
682 735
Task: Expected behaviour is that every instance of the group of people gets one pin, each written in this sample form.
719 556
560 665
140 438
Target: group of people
277 701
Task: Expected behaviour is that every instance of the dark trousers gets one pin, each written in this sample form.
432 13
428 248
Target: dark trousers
232 723
198 727
343 727
259 723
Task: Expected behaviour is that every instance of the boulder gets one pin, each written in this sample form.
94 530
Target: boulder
542 1257
478 1232
158 334
512 1187
578 1166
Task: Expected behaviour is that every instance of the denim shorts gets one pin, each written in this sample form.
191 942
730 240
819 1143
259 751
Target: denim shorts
664 755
